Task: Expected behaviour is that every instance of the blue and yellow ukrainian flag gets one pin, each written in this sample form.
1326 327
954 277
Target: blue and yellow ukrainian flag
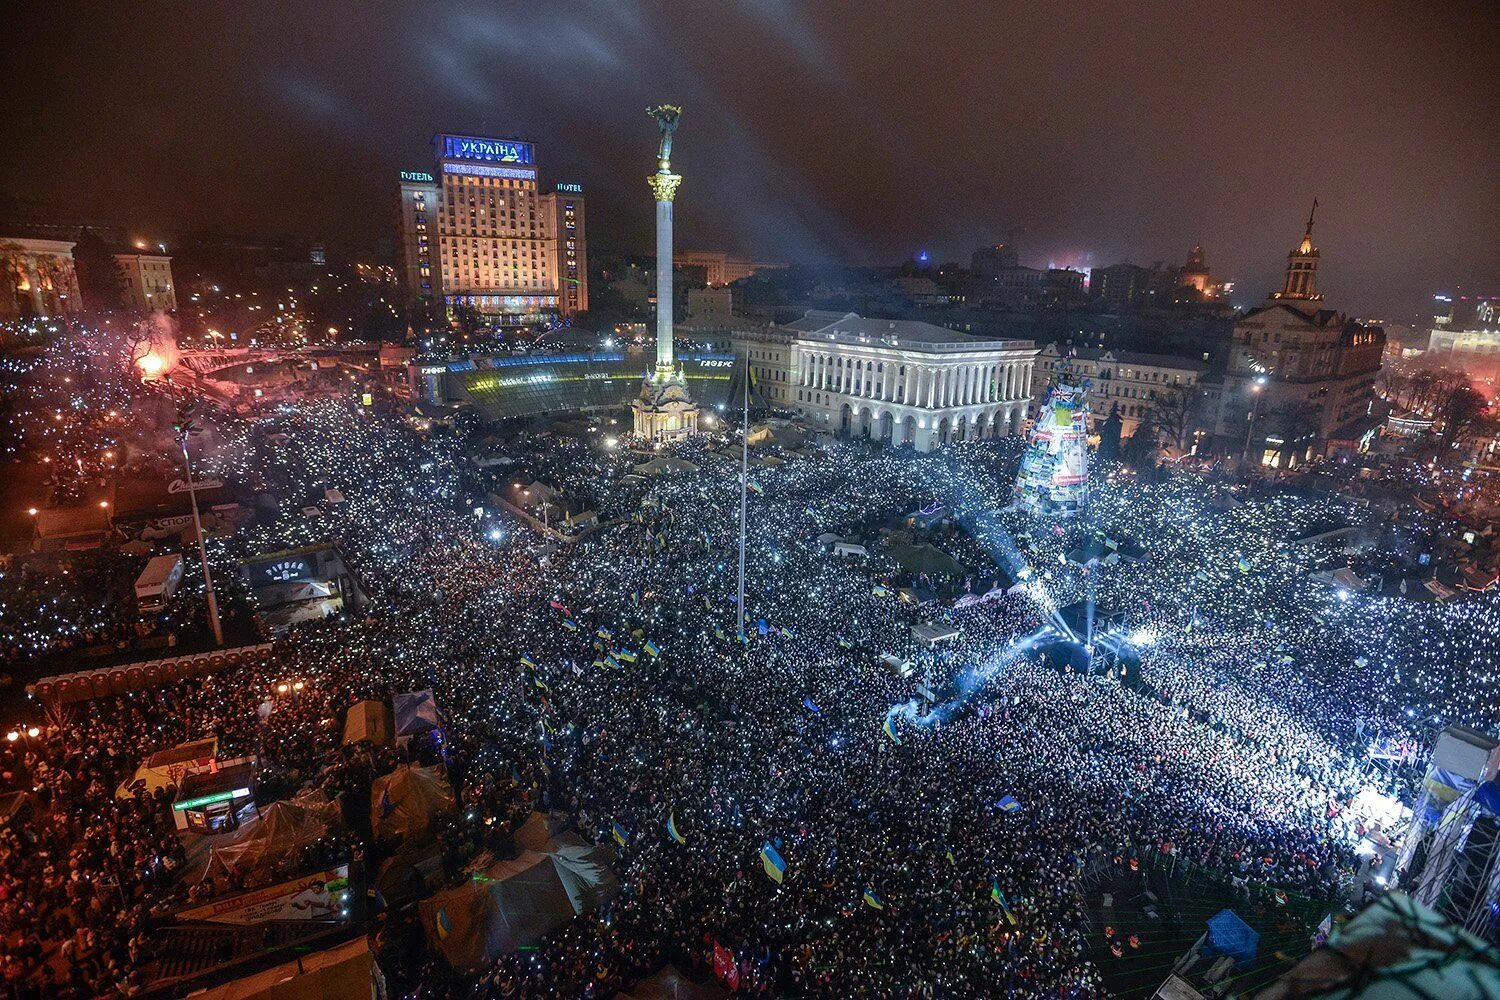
672 830
881 590
1244 565
999 897
652 648
1008 804
872 900
771 861
720 634
889 728
604 633
621 835
845 643
628 655
527 661
570 625
786 633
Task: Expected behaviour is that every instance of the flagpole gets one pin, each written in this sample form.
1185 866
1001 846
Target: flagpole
744 492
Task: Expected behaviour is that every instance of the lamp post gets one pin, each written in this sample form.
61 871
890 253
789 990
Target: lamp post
184 427
1255 392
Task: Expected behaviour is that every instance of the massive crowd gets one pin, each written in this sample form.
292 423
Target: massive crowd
923 850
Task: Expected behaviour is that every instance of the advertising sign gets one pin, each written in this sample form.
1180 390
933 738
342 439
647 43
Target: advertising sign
316 896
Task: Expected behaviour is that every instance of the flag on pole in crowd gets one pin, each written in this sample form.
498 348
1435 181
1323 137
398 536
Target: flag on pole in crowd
872 900
763 627
1008 804
999 897
811 705
570 625
845 643
527 661
541 684
756 488
771 861
627 655
881 590
604 633
636 597
612 663
672 830
889 728
707 604
786 633
949 855
652 648
557 605
1244 565
720 633
621 835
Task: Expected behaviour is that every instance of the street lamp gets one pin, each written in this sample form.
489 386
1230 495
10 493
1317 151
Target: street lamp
184 427
1255 392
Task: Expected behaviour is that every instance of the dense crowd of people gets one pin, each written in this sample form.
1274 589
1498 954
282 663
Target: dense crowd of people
791 814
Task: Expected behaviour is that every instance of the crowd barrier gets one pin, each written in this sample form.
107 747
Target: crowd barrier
111 682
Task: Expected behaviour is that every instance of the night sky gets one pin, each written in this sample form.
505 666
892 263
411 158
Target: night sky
850 132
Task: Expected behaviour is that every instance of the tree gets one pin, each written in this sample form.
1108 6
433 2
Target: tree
1140 450
1173 412
1109 434
1461 410
99 279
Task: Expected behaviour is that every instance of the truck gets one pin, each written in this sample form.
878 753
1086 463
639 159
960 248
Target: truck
157 583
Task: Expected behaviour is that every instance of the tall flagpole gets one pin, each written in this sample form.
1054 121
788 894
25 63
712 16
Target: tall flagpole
744 493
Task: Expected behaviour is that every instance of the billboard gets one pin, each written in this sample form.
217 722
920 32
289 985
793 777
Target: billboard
320 895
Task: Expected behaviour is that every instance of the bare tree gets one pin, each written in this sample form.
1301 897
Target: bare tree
1172 413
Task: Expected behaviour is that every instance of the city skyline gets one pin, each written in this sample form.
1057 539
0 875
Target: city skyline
1085 138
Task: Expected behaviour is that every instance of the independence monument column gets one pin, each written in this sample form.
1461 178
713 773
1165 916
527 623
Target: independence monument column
664 411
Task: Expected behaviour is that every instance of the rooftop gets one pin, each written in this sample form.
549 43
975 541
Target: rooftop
851 328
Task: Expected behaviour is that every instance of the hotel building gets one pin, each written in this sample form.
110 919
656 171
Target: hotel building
478 233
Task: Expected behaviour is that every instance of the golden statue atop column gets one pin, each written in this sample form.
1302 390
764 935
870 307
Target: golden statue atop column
664 410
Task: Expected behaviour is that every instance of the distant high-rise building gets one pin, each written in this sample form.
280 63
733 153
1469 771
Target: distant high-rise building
990 261
720 268
478 233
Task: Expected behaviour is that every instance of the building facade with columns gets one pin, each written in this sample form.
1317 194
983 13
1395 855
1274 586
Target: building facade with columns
38 278
901 382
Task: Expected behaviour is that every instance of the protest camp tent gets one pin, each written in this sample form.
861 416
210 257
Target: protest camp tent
406 803
1229 935
416 712
503 907
371 721
514 903
280 831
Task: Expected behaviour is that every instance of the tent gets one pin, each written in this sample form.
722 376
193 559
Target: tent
511 904
408 876
1229 935
369 720
407 802
416 712
507 905
280 831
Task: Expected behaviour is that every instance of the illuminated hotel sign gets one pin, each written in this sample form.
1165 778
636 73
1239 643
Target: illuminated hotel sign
570 188
462 147
417 176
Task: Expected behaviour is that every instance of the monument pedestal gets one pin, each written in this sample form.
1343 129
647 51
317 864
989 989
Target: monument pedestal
664 411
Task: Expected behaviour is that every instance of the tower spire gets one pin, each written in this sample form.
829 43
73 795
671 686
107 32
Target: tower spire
1310 216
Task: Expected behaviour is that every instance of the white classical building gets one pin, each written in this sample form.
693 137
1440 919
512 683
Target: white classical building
897 381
